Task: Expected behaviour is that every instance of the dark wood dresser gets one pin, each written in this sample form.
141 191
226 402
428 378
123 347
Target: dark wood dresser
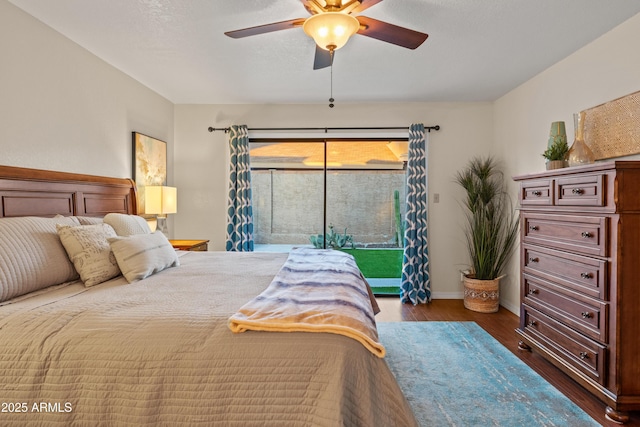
580 276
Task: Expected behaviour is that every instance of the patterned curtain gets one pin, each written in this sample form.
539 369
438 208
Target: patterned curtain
239 211
416 286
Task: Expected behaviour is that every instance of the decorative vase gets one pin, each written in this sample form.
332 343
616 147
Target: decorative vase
482 296
579 153
557 134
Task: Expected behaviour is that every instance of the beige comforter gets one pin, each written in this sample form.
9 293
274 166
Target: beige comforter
159 352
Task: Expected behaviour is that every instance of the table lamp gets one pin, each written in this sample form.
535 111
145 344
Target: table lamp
160 200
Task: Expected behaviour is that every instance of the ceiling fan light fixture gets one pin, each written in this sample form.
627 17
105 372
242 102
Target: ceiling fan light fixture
331 30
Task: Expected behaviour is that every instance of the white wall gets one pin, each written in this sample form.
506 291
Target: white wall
602 71
201 164
62 108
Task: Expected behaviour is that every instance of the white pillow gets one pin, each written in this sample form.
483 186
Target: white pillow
141 255
127 225
73 220
31 255
89 250
89 220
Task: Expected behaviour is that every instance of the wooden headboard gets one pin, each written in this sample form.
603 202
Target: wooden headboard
35 192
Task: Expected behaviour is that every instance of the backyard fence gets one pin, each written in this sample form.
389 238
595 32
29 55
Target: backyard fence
288 205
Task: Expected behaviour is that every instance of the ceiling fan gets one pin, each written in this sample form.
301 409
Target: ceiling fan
331 24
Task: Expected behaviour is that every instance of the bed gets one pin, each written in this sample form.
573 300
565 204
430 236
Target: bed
159 351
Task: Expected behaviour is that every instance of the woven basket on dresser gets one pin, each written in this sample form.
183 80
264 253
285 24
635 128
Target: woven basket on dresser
482 296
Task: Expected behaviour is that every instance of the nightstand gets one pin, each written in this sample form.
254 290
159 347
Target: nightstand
190 245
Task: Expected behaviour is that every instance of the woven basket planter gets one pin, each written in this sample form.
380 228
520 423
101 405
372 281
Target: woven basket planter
556 164
482 296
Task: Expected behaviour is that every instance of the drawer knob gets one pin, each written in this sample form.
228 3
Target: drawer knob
584 355
533 291
534 228
586 234
534 259
586 315
537 193
586 275
532 323
577 191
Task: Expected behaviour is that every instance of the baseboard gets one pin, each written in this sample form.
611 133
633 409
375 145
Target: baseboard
460 295
447 295
514 309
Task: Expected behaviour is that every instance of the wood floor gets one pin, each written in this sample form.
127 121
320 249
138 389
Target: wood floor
501 326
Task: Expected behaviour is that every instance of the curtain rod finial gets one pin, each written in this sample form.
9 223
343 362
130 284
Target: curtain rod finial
212 129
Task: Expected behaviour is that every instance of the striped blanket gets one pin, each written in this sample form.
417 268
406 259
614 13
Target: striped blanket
316 290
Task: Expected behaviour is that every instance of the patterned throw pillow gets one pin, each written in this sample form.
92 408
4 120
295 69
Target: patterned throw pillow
89 250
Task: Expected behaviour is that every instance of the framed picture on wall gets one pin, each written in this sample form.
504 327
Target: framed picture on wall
149 164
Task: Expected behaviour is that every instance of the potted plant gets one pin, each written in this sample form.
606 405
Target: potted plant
556 154
333 239
491 231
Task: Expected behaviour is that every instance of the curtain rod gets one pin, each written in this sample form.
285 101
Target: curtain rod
428 128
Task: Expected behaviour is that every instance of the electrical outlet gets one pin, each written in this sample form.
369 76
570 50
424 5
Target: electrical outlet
436 198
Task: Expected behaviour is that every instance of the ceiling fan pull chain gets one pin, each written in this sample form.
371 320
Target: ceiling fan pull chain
331 67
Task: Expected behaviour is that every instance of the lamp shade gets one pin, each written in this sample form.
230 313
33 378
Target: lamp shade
331 30
160 200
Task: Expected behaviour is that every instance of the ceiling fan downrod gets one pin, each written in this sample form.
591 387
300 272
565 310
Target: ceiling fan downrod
331 50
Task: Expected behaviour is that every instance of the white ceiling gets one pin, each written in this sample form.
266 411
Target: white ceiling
477 50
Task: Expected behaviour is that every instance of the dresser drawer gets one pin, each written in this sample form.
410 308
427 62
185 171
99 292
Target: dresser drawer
576 233
584 314
582 274
580 190
536 193
584 354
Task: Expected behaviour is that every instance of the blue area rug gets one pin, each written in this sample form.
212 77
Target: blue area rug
456 374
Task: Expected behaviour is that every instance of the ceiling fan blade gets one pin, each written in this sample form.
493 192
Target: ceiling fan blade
267 28
364 5
322 58
390 33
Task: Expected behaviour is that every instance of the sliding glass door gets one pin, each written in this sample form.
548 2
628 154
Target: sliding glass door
365 184
288 192
351 192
